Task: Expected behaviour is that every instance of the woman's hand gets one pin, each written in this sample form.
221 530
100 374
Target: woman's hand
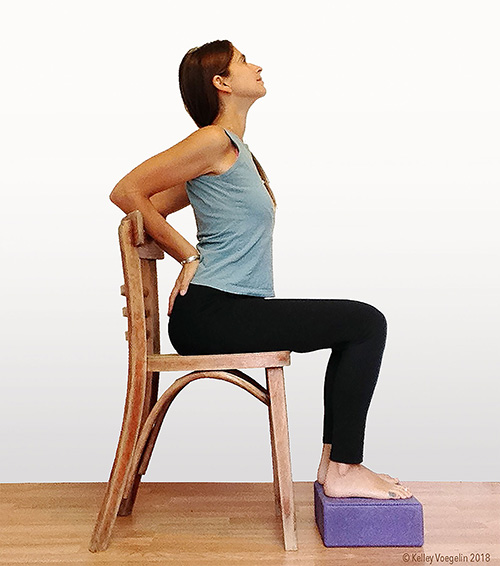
182 283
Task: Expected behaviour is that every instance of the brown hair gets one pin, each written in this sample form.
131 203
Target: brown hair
201 98
197 69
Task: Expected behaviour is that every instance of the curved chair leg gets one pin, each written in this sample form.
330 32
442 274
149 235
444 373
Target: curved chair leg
130 495
281 454
152 424
150 291
132 418
127 504
255 386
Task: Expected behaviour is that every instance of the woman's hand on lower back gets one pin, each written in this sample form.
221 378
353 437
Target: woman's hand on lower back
182 283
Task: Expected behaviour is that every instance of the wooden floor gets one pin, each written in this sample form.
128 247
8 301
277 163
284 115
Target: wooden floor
231 524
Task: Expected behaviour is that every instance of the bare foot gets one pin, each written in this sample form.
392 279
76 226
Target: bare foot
325 461
356 480
389 478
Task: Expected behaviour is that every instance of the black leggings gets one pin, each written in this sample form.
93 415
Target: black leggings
208 321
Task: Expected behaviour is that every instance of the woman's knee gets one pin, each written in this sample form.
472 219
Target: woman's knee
376 321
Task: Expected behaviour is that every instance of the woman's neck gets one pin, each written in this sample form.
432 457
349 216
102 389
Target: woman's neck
233 119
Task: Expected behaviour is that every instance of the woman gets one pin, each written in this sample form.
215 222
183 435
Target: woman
222 301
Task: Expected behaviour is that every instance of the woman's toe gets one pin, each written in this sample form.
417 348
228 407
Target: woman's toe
387 477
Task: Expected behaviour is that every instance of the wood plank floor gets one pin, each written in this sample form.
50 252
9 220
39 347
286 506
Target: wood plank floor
231 524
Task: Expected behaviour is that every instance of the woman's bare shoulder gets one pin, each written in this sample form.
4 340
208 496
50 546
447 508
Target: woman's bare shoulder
200 153
212 136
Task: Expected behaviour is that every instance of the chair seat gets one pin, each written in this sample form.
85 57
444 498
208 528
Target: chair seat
176 362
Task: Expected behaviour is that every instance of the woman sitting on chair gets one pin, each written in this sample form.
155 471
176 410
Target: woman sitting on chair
223 300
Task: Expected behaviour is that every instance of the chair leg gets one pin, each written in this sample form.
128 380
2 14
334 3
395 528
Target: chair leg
277 507
150 398
132 418
281 454
127 504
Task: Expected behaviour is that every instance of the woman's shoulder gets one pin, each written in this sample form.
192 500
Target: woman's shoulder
214 144
211 137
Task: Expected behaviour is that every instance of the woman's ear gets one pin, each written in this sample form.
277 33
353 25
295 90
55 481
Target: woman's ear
220 84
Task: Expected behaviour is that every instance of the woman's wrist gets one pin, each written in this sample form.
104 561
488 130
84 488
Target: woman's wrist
190 259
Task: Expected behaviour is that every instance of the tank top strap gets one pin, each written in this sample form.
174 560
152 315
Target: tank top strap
234 138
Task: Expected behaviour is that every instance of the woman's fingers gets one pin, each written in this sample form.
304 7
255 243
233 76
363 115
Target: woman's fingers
186 275
171 300
182 283
173 295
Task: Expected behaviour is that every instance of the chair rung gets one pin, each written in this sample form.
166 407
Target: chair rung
148 334
147 312
123 291
175 362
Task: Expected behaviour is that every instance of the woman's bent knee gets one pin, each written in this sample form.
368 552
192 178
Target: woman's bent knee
376 320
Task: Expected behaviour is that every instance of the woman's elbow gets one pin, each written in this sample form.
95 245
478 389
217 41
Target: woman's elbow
122 199
118 193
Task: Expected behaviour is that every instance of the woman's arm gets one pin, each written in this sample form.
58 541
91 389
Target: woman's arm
200 153
157 188
170 200
163 203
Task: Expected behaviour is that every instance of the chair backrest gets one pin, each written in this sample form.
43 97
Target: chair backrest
139 254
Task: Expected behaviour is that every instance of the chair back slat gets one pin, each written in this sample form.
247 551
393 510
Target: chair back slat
137 221
139 254
150 283
132 275
150 249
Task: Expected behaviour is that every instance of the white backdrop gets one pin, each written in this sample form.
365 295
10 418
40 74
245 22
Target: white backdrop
379 134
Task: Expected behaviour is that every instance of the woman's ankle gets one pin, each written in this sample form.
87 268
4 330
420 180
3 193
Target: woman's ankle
341 468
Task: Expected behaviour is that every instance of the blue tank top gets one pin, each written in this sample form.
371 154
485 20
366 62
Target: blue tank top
235 221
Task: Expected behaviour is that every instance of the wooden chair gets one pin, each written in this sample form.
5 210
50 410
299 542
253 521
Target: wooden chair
144 412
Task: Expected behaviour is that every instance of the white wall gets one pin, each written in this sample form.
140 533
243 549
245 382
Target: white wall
379 133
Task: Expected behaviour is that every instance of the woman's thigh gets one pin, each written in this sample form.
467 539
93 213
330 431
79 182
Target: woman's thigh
304 325
251 324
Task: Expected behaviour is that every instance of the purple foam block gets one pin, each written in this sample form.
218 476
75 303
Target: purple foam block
361 521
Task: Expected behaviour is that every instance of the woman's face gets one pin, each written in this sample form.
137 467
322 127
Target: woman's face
244 78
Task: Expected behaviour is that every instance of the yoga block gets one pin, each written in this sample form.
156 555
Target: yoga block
361 521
